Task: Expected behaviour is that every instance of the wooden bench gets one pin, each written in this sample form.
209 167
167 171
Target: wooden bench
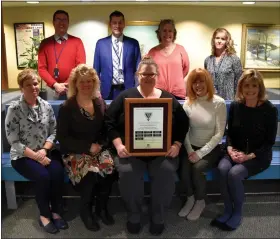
9 175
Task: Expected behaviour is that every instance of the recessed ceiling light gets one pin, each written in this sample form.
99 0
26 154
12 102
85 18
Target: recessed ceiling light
32 2
248 3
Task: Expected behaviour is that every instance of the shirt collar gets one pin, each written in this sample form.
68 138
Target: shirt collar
65 36
120 38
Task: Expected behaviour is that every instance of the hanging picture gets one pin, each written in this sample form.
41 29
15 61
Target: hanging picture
28 37
261 47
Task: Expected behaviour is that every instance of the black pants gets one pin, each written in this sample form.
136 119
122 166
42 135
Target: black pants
94 185
48 182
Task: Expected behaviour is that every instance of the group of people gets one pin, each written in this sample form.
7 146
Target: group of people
92 136
117 57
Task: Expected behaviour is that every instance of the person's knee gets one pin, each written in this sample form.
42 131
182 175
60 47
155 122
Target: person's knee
238 172
199 167
43 176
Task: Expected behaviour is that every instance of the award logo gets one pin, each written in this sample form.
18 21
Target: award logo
148 115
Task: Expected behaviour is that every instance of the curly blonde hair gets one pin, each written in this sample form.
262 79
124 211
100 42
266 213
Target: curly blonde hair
82 71
253 76
230 50
27 74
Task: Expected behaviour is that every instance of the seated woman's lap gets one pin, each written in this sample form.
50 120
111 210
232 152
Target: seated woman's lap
140 165
35 171
246 169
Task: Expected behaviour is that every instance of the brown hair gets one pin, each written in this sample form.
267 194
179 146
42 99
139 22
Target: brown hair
199 73
82 71
253 76
162 24
27 74
229 42
147 60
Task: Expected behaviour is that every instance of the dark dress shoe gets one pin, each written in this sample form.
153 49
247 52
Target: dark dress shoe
49 228
216 223
60 223
90 222
133 228
105 217
226 227
156 229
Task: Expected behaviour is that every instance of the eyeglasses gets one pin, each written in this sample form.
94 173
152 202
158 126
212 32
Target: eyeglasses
143 75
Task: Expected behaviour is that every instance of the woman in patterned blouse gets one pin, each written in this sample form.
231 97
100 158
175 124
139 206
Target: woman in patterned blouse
223 64
31 130
81 133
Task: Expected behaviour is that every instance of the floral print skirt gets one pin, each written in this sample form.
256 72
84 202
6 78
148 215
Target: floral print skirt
78 165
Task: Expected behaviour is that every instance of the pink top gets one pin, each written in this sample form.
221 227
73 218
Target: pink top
172 70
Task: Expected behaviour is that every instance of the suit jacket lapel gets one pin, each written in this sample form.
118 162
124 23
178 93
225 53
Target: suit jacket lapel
125 49
109 51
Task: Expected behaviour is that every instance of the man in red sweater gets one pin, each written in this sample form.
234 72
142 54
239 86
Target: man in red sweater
59 54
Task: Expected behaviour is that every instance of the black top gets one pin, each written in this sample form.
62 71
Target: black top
75 132
252 130
115 117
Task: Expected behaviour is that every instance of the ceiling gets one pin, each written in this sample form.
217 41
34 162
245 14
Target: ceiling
229 3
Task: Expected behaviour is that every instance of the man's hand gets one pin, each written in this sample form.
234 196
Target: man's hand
60 88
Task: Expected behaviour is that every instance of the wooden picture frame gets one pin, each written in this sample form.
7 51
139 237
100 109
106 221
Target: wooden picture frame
260 47
148 126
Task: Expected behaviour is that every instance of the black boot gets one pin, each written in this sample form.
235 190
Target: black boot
102 212
88 218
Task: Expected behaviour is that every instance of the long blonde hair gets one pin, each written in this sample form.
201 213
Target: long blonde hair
229 43
82 71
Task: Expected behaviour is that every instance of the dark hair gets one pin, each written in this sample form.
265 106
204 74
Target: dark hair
116 14
60 12
162 24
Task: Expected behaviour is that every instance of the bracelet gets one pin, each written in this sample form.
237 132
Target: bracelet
179 146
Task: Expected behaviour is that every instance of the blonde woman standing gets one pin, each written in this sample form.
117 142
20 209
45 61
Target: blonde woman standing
223 64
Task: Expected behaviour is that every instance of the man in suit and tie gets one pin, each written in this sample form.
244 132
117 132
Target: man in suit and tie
116 59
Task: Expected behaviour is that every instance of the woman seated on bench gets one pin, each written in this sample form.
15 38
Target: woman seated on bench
162 169
82 138
252 128
31 129
208 115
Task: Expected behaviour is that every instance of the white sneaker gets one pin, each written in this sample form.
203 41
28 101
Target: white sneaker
187 207
196 210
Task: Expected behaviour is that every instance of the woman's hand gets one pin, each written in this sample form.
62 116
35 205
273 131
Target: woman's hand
95 148
242 157
173 151
193 157
46 161
40 155
122 151
42 152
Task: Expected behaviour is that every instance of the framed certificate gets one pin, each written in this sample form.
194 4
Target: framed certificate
148 126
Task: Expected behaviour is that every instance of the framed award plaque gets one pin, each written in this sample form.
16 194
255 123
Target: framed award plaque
148 126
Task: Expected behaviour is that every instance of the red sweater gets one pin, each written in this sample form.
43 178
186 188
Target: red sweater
72 55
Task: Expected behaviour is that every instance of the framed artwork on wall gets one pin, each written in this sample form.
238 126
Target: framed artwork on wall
260 47
144 32
28 37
